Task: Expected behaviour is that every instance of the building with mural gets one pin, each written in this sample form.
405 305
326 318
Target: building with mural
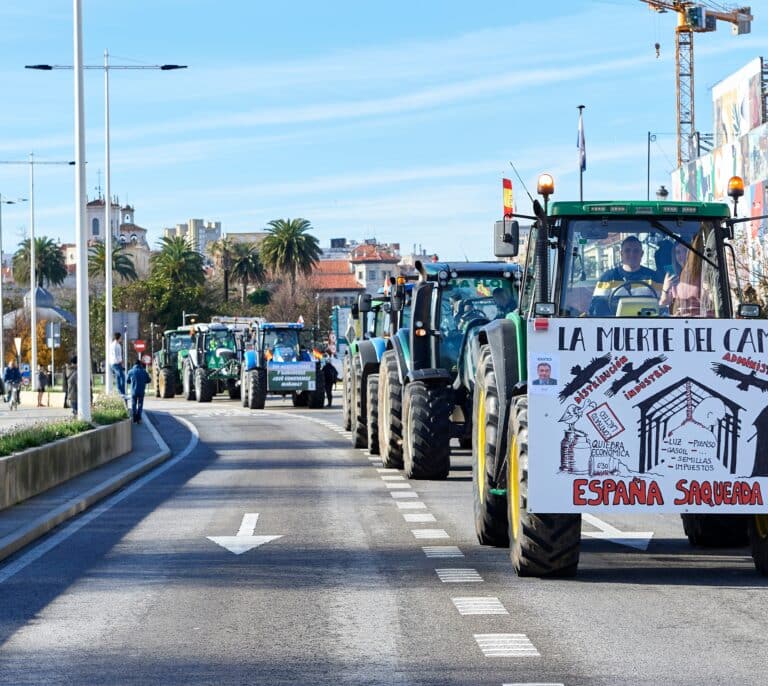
740 148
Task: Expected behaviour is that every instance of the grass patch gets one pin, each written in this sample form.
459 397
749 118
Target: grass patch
106 410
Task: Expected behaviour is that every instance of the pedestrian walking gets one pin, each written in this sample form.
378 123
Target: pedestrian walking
116 362
11 378
71 376
138 380
330 377
42 383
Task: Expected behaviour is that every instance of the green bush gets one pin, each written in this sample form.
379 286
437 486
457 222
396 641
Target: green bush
108 409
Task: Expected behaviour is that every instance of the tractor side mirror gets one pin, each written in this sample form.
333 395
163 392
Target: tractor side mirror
506 238
355 314
364 302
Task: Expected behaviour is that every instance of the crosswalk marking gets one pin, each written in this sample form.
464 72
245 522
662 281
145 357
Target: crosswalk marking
396 485
442 551
479 606
393 477
506 645
535 683
418 517
409 505
387 470
455 575
404 494
430 533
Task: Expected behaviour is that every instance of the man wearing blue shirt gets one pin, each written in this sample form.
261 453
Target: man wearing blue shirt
138 380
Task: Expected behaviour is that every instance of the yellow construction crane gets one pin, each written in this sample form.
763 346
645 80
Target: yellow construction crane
694 17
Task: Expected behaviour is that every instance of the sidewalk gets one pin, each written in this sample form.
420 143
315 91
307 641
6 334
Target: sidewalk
23 523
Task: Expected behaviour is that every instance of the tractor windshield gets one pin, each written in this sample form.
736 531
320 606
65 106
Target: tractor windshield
641 267
179 341
281 345
466 300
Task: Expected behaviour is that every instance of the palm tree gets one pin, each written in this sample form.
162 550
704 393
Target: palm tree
247 267
122 263
223 250
177 263
49 263
289 249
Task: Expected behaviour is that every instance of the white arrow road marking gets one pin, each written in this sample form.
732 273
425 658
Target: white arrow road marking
633 539
244 540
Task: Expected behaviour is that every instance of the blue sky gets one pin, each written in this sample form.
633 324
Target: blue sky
390 120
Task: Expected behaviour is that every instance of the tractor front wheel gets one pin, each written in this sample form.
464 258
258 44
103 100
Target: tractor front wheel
203 389
426 431
544 545
257 389
716 531
167 383
188 383
346 383
372 408
390 405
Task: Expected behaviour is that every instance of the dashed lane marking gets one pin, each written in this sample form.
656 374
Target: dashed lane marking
392 477
506 645
419 517
430 533
479 606
410 505
396 485
387 470
442 551
455 575
404 494
535 683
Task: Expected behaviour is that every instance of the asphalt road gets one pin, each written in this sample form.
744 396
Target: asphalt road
350 592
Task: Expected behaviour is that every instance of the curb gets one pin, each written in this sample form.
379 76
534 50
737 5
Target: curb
43 524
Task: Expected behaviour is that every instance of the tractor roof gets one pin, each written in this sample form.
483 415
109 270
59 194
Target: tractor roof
282 325
631 208
491 268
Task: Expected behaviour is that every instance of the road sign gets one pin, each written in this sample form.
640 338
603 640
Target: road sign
17 342
146 359
139 346
53 334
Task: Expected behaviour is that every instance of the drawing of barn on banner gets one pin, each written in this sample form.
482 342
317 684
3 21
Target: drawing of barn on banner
689 428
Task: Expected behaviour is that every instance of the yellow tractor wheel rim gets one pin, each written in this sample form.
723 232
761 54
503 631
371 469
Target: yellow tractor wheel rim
513 488
761 525
481 447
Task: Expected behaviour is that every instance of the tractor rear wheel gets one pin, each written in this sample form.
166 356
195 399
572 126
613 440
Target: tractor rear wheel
545 545
233 389
758 538
488 446
257 388
390 404
346 381
716 531
372 408
359 429
203 389
188 383
156 382
300 398
167 383
426 431
244 388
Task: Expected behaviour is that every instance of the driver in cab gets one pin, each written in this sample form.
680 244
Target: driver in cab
629 271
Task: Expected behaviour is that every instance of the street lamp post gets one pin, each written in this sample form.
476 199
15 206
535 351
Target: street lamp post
108 320
2 329
32 257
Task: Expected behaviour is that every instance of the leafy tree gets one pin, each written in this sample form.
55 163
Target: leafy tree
122 262
289 249
49 263
177 264
247 267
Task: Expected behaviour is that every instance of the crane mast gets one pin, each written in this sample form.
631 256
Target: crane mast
693 17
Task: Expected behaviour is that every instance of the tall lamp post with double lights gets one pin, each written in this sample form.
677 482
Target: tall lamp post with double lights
106 67
3 201
32 257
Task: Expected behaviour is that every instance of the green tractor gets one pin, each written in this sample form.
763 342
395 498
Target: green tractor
168 361
212 364
426 375
627 381
279 359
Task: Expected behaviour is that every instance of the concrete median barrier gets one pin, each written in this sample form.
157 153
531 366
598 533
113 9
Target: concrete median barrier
28 473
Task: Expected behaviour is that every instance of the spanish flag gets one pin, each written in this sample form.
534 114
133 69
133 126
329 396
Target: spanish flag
508 197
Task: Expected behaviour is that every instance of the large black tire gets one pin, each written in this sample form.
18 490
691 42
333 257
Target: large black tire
188 383
257 388
203 387
244 388
488 446
156 382
426 431
758 538
390 406
167 383
233 389
317 397
359 428
346 383
372 408
300 398
716 530
545 545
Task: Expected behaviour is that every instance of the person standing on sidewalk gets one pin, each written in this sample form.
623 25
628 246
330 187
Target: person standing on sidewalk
42 383
116 361
330 377
72 384
138 379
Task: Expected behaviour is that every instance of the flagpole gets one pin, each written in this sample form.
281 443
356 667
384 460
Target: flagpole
582 153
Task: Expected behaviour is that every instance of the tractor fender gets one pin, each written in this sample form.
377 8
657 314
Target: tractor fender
250 360
441 376
368 356
501 335
402 353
